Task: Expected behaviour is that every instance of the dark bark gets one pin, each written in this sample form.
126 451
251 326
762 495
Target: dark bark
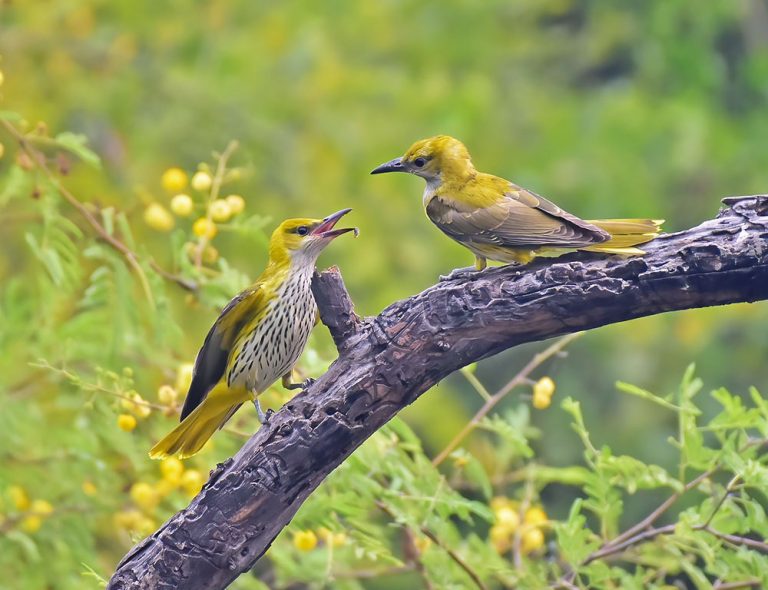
386 362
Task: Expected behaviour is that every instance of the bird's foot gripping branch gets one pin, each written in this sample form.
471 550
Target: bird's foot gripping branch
386 362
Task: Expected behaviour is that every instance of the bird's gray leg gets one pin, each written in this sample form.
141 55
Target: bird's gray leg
261 414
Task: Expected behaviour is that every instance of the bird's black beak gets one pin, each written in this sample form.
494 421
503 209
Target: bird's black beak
395 165
325 229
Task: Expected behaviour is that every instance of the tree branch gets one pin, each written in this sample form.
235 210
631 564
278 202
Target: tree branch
386 362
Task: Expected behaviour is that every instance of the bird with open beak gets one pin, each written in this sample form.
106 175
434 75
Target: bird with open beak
257 338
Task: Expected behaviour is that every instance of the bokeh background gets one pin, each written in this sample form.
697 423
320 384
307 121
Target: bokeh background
610 109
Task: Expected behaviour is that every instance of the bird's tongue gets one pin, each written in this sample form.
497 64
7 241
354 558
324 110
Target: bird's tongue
326 227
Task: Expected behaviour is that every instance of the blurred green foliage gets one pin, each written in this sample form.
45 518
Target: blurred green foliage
611 109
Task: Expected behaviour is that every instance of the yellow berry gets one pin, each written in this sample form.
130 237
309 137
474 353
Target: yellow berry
174 180
532 540
204 228
501 538
184 376
172 468
324 534
192 481
535 516
541 402
201 181
305 540
126 422
182 205
31 523
330 538
19 497
165 487
89 489
499 502
145 525
137 405
544 387
167 395
210 254
41 508
158 218
460 461
127 519
339 540
422 543
236 204
144 495
220 211
507 518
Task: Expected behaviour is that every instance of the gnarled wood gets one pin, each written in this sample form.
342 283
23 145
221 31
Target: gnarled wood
386 362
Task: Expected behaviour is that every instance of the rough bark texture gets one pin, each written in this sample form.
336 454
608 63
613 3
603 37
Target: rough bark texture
386 362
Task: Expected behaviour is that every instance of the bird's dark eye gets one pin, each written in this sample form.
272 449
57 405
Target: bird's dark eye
302 230
419 162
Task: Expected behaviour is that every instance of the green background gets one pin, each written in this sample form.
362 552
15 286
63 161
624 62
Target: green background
610 109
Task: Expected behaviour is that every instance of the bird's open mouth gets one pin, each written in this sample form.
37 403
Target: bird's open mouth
325 229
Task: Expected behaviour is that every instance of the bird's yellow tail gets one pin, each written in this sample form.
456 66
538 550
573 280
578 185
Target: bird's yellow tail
625 234
194 431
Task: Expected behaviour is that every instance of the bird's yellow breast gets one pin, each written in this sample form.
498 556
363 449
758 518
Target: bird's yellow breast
467 194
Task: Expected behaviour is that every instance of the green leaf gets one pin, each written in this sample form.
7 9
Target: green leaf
575 539
76 143
645 394
632 474
18 183
473 470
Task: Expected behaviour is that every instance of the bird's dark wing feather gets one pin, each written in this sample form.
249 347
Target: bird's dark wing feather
522 219
211 361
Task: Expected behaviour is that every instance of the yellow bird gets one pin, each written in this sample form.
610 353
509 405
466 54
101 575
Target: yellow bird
499 220
257 338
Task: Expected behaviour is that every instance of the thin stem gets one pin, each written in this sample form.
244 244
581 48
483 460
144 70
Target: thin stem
661 509
450 552
216 182
475 382
537 360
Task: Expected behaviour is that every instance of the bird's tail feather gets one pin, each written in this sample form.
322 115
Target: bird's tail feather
194 431
625 235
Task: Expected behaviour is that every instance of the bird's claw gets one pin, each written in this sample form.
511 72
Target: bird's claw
307 383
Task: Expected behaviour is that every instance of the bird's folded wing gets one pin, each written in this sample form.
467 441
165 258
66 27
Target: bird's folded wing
520 219
211 361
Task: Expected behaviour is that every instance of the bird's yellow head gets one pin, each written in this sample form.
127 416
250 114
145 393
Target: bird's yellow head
437 158
302 239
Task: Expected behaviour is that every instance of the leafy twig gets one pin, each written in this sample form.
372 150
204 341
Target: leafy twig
537 360
132 257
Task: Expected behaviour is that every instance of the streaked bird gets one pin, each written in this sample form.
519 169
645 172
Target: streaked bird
257 338
499 220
